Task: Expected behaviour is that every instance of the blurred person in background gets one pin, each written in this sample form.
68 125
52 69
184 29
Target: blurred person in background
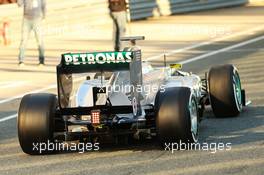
34 13
118 14
7 1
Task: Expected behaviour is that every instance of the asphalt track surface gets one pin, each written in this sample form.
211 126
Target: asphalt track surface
245 132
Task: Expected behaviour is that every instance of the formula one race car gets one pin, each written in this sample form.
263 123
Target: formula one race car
115 95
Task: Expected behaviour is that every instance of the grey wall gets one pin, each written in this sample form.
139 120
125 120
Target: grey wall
140 9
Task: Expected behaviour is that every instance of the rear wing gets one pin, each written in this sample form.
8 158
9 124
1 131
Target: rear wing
95 62
78 63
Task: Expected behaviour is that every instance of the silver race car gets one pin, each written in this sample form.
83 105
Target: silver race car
115 95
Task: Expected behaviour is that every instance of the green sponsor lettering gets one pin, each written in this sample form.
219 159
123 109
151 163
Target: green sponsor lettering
96 58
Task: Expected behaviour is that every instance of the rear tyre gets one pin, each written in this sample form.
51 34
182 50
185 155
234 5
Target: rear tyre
36 121
176 116
225 91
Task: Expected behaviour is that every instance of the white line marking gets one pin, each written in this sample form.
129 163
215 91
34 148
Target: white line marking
30 92
4 83
222 50
11 84
8 118
36 91
206 43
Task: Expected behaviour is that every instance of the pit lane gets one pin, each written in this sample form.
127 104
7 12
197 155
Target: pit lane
246 132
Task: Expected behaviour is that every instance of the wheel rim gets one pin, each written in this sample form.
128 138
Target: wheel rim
237 91
194 119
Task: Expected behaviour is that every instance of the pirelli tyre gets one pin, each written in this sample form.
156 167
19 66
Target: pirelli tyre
176 115
225 91
36 121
